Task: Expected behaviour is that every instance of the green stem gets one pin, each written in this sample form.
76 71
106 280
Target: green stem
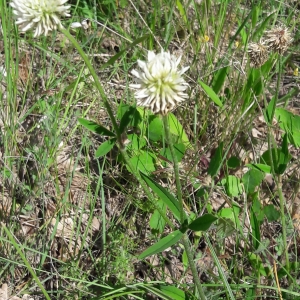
187 248
175 165
277 178
97 83
185 239
115 126
282 212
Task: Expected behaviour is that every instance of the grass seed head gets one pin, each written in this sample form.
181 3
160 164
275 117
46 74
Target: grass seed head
159 84
258 54
278 39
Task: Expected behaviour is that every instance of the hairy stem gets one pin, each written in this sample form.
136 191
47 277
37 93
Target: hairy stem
277 178
185 239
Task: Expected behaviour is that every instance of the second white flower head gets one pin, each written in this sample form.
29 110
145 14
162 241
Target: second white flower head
41 15
160 85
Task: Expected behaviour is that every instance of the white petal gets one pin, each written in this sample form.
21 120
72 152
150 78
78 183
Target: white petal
151 55
76 25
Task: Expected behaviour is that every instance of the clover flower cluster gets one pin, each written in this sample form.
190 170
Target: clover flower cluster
41 15
160 86
276 40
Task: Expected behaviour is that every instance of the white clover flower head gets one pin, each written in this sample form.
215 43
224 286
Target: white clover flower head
41 15
258 54
160 85
278 39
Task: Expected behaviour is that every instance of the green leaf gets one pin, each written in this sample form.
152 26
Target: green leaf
157 222
155 128
260 167
219 79
143 162
94 127
105 147
255 229
271 213
251 293
280 158
226 227
202 193
177 130
162 244
211 94
171 202
247 91
185 260
232 185
135 120
240 29
130 117
227 213
181 11
202 223
244 34
255 14
257 208
233 162
269 110
173 292
179 150
231 213
165 292
137 142
216 161
258 84
290 123
285 147
252 179
260 29
256 263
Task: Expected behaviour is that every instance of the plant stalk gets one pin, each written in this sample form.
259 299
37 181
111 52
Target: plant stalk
185 239
115 126
277 178
282 212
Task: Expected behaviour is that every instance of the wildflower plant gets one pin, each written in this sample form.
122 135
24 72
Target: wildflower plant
40 15
160 86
